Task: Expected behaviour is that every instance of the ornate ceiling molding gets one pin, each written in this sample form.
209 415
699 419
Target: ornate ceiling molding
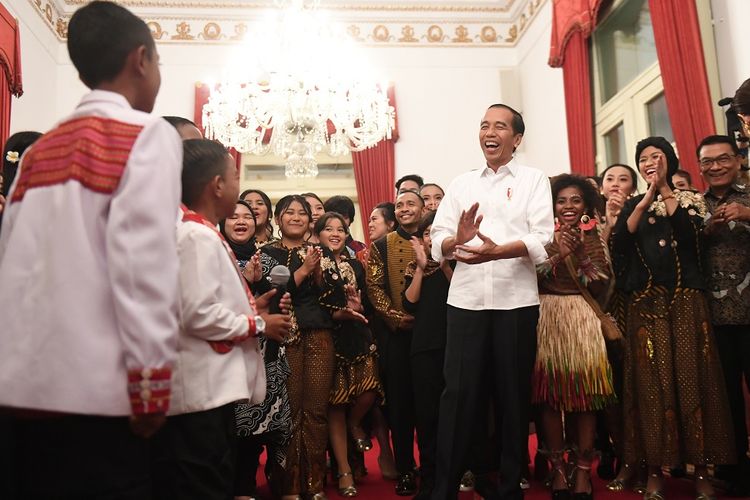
222 27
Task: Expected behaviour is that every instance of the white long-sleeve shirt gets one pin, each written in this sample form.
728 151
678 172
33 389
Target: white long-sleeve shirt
214 307
88 265
516 204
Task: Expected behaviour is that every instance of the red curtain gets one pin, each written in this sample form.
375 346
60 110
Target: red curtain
375 171
10 70
683 71
572 24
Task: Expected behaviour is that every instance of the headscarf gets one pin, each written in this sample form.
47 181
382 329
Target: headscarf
243 251
660 143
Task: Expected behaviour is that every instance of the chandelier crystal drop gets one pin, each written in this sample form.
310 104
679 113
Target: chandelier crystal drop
297 87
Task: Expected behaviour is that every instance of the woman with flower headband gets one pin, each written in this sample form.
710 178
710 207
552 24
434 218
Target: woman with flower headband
572 374
15 147
675 406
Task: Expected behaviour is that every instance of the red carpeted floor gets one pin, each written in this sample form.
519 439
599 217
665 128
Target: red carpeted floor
374 487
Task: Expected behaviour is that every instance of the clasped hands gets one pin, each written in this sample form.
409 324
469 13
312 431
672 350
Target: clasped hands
468 228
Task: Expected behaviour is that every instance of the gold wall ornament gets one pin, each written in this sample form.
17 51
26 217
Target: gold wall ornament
407 33
512 34
156 32
355 33
211 31
522 21
488 34
183 32
48 12
61 27
240 30
435 34
381 34
462 35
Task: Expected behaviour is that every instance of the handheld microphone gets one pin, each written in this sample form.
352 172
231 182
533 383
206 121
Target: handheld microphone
725 101
279 278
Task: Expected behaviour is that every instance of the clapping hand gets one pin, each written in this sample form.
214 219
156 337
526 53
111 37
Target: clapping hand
569 242
253 271
614 206
468 225
486 252
419 252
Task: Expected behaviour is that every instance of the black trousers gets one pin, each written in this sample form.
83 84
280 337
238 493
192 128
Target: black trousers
507 341
400 399
193 456
249 450
427 380
77 457
733 342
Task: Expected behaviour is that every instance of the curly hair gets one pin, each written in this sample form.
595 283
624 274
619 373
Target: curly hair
590 196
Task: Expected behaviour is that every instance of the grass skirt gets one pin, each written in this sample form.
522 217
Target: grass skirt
572 372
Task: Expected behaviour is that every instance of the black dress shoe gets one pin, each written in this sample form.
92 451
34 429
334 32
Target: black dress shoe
485 487
407 485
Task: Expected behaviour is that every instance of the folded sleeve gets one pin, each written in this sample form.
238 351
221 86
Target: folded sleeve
142 263
445 223
540 220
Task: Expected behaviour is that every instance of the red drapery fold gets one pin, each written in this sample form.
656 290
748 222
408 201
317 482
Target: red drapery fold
10 74
375 171
578 110
683 71
572 24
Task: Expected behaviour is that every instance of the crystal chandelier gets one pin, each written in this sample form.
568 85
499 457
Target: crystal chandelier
296 88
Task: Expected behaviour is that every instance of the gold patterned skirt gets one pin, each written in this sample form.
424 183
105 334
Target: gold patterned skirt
353 378
675 408
572 372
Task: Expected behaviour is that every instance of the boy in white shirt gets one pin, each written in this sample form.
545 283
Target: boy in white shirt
218 359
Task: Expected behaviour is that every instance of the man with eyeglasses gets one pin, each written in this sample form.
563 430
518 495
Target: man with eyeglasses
727 235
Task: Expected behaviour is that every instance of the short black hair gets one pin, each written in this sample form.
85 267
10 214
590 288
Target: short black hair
685 175
18 143
287 200
341 205
425 222
178 121
590 196
431 184
323 220
717 139
411 177
406 191
519 127
631 171
741 99
388 211
202 160
101 35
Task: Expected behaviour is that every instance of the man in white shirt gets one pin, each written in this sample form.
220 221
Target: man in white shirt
496 222
88 275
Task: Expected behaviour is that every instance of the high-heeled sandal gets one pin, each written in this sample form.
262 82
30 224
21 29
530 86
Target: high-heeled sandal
703 496
584 495
362 444
631 480
656 494
557 464
347 491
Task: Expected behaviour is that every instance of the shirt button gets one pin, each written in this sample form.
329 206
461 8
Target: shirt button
145 394
674 244
662 243
146 373
145 384
651 220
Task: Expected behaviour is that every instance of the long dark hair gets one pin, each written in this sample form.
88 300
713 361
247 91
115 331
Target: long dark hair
269 209
285 202
18 143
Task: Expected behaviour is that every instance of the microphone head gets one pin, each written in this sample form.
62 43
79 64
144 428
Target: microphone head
279 275
725 101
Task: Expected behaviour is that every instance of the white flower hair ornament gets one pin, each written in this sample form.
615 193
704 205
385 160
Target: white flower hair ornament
12 156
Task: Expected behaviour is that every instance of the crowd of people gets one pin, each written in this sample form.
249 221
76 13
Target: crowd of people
161 330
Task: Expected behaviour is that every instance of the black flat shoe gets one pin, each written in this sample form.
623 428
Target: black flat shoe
407 485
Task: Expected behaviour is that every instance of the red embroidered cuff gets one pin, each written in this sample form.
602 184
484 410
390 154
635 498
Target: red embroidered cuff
252 330
149 390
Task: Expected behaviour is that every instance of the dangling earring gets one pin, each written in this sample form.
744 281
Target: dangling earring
587 223
557 224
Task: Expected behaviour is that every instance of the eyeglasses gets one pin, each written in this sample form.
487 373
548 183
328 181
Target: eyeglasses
724 160
654 158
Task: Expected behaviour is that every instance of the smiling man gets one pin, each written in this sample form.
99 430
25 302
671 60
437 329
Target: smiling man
727 242
496 222
389 257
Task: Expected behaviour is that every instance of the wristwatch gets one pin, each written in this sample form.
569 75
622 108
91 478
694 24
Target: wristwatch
260 325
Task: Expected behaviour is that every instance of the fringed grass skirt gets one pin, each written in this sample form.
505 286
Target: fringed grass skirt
572 372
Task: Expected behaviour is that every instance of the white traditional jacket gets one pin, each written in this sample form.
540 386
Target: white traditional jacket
218 357
88 265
